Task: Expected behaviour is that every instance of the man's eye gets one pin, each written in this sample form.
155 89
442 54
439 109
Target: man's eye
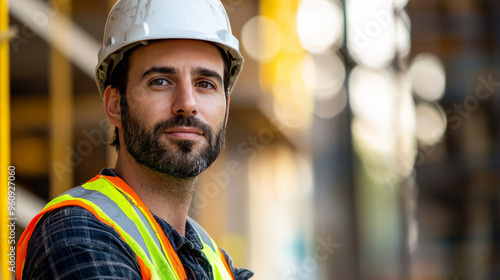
205 85
158 82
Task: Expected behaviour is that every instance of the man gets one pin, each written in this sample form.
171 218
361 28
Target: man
165 73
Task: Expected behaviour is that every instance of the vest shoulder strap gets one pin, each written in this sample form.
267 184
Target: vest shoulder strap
220 266
205 238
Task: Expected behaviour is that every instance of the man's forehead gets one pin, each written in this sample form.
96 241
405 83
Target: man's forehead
157 48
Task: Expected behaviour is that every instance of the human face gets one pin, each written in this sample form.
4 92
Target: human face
175 123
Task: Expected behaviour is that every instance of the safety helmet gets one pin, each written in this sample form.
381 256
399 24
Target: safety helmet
134 22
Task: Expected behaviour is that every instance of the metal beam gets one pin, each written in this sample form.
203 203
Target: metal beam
47 21
32 205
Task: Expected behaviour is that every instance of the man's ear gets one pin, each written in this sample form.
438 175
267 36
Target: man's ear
111 102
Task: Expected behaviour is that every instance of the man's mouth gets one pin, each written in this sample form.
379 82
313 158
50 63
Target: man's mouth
184 133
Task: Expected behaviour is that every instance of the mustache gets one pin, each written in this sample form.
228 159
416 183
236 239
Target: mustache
190 121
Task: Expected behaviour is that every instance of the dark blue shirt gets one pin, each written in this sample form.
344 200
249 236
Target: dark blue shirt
71 243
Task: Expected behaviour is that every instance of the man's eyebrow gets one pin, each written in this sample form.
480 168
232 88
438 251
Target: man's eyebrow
200 71
161 70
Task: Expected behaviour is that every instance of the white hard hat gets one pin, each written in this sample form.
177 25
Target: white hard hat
132 22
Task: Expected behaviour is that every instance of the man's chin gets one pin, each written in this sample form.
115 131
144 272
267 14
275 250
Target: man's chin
185 167
185 147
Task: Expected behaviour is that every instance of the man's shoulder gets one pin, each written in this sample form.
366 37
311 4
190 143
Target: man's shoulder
71 225
67 216
71 241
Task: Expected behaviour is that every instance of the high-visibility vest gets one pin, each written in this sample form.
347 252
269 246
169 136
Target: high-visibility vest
114 203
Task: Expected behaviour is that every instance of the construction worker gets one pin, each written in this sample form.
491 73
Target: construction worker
165 72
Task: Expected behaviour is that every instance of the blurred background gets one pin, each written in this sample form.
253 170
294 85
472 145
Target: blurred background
362 143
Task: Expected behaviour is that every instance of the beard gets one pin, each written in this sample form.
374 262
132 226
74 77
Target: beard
181 160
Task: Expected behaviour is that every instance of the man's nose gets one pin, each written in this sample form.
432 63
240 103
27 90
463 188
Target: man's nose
185 100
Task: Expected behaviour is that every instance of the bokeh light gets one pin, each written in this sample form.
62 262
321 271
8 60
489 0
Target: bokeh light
428 77
320 25
261 38
403 36
431 123
372 95
407 143
332 106
400 4
324 74
371 142
371 29
293 105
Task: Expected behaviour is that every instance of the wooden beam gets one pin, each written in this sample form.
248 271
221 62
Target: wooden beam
61 101
80 47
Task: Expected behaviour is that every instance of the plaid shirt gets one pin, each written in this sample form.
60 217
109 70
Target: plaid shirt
71 243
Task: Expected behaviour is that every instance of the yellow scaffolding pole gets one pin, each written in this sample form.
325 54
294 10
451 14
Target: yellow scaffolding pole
4 136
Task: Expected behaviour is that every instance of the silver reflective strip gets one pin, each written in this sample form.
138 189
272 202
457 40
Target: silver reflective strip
148 227
111 209
202 234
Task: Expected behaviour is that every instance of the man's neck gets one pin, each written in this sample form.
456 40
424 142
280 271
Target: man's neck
167 197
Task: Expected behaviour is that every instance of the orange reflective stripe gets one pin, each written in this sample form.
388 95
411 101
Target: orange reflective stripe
94 179
22 246
167 246
225 263
145 271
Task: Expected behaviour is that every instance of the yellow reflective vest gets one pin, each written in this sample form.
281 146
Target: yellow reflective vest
114 203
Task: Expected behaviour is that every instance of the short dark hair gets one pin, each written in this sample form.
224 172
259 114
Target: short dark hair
119 79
